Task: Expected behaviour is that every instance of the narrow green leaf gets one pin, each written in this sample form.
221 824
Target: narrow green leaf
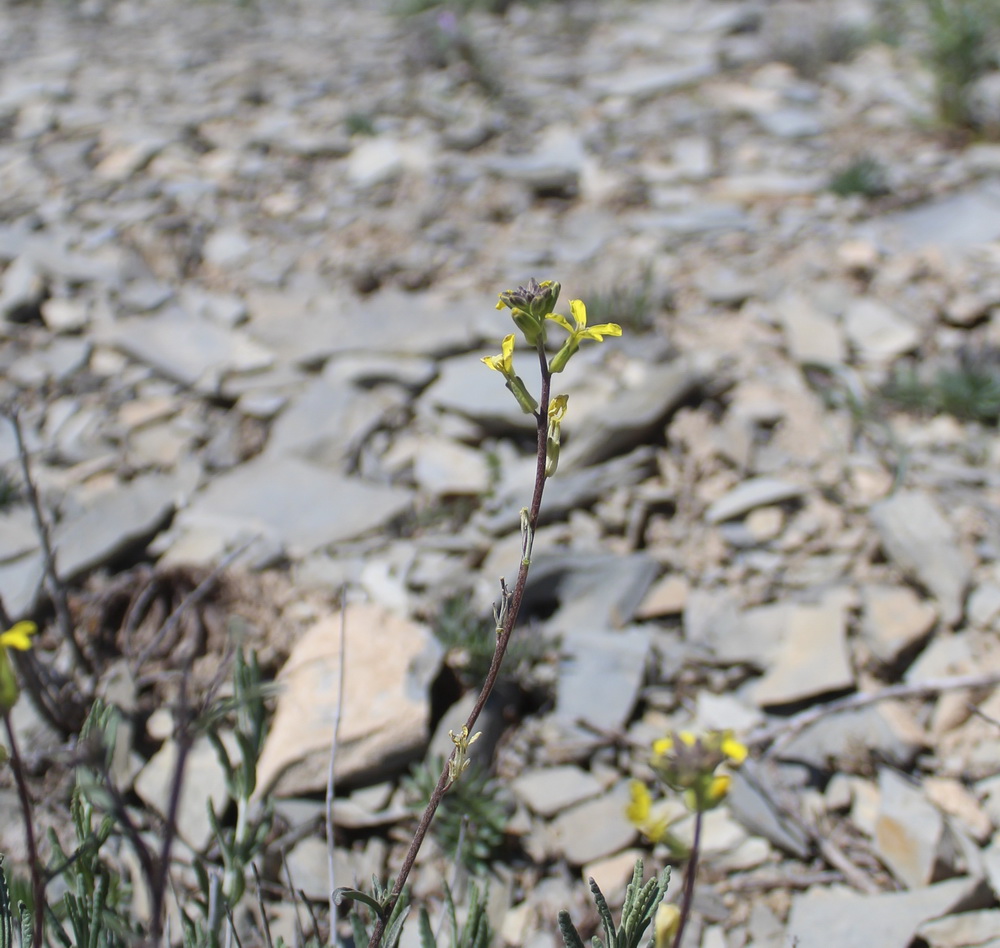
570 936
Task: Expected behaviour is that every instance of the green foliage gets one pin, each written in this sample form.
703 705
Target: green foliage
471 821
359 123
475 933
376 902
10 490
641 902
96 902
469 638
961 46
969 391
629 303
865 176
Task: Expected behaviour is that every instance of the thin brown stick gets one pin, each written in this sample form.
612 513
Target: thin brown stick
330 778
781 733
689 874
37 884
503 637
56 587
184 740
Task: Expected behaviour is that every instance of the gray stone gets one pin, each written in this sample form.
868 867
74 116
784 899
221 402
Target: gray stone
578 489
385 714
21 584
187 349
922 543
790 122
751 801
594 829
204 784
592 591
120 519
727 287
957 222
549 790
823 917
227 248
294 502
752 493
963 930
984 605
813 658
365 370
630 417
894 621
22 291
327 424
612 664
552 169
65 315
812 335
911 836
877 332
713 620
643 82
853 739
143 296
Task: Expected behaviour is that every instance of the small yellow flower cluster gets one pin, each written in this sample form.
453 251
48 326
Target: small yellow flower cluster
17 637
688 764
530 306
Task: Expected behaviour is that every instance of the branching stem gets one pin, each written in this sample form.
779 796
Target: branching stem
37 885
541 421
692 869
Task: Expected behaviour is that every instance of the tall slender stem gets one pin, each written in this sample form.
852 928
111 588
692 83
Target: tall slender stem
37 885
692 869
503 637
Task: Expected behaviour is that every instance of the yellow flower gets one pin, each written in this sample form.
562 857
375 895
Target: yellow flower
688 763
504 364
578 333
557 411
665 925
652 822
17 637
460 762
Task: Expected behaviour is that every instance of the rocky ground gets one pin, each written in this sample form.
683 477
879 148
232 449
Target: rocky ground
250 256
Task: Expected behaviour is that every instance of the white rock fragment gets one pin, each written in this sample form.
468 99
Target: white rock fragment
385 706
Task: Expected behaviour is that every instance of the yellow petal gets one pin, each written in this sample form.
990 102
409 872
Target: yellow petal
638 809
557 408
663 746
668 920
718 788
19 636
561 320
579 312
493 362
599 332
507 350
688 737
733 749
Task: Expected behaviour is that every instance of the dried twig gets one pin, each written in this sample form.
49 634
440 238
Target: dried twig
37 883
330 779
55 586
779 734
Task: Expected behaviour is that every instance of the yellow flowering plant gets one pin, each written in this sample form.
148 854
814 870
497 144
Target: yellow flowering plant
17 637
532 309
689 764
